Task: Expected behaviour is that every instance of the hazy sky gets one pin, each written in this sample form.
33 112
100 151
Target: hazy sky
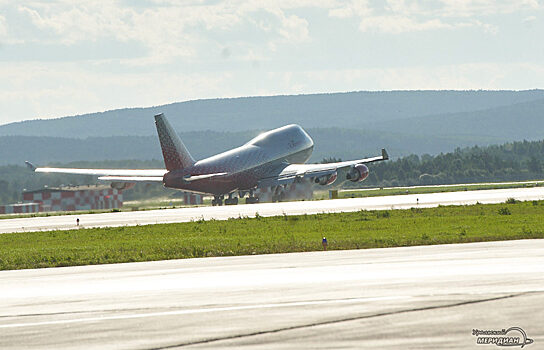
64 57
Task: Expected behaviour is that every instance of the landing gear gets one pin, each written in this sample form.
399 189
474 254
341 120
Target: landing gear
217 200
251 199
231 201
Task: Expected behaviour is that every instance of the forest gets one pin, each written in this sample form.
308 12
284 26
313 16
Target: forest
513 161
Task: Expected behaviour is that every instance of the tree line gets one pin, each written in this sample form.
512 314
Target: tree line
513 161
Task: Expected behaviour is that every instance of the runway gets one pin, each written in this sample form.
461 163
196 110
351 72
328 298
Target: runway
425 297
268 209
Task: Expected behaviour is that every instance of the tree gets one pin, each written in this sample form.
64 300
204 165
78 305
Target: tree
534 165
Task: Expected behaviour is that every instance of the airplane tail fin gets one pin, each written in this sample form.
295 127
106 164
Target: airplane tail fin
176 155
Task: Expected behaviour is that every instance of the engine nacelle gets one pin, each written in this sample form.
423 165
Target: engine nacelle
357 173
326 179
122 185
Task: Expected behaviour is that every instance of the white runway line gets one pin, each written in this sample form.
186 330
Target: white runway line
205 310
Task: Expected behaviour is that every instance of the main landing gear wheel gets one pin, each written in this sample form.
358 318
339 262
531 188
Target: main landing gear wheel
231 201
217 201
252 200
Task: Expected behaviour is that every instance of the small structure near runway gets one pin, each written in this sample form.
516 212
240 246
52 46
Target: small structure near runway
190 198
70 198
20 208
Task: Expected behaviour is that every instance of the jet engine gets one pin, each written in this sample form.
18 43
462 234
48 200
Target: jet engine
357 173
326 179
122 185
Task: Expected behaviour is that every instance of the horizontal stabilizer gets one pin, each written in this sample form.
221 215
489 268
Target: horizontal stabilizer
190 178
131 178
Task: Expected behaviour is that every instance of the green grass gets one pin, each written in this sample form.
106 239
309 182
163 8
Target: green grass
432 189
358 230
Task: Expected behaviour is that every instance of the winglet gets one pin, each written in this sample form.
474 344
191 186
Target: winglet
385 156
30 165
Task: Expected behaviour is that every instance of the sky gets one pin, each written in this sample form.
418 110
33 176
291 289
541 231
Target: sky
60 58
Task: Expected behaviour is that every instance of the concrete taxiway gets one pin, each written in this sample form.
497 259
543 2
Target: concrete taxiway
269 209
426 297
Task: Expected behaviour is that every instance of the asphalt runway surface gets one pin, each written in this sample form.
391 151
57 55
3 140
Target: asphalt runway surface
428 297
268 209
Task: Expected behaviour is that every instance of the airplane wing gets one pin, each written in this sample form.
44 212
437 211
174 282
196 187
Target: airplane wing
293 172
121 175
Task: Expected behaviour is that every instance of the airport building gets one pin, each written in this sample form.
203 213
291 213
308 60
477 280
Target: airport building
20 208
72 198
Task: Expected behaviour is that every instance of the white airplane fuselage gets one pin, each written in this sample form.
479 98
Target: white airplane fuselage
265 155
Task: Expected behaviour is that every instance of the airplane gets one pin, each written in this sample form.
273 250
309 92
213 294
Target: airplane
272 160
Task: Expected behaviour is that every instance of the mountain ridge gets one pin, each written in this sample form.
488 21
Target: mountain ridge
518 121
344 110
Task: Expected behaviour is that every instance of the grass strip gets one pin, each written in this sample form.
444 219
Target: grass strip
244 236
433 189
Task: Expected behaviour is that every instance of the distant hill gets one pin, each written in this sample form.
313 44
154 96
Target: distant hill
343 125
514 122
342 110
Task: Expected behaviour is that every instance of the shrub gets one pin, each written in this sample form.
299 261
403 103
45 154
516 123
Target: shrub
511 201
383 214
504 211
